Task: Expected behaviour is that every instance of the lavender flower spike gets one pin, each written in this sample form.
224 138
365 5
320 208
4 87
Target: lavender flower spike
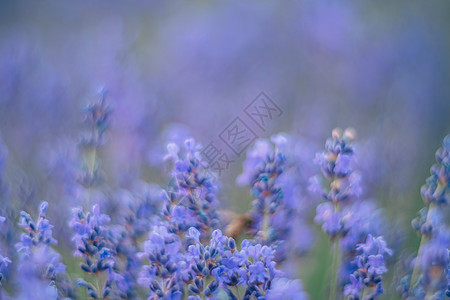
366 281
430 224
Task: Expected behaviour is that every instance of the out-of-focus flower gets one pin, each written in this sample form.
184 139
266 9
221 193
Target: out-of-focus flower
371 265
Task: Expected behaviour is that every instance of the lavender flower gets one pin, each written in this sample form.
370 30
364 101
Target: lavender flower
265 171
431 227
92 239
336 163
38 261
4 261
191 199
96 118
371 266
165 273
437 187
336 214
434 261
139 213
285 289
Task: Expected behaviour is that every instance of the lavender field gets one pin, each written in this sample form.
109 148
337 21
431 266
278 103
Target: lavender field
224 150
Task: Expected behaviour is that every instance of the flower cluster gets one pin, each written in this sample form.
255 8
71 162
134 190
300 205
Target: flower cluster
346 221
38 261
262 170
272 172
336 163
150 242
371 266
4 261
93 243
429 275
190 200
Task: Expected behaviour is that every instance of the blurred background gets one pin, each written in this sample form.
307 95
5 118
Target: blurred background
177 69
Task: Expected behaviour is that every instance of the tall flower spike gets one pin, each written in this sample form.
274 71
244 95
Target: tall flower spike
97 120
4 261
92 239
6 233
38 261
268 195
434 261
430 222
191 199
366 281
164 274
336 163
264 171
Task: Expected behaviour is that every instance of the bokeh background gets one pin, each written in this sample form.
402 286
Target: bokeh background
175 69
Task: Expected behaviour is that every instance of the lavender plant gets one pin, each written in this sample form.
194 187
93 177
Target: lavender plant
263 168
38 262
429 276
336 163
141 241
348 220
272 173
190 200
366 281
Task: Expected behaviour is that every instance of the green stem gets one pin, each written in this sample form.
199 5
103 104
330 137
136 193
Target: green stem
335 270
336 263
238 292
423 240
91 158
364 294
98 285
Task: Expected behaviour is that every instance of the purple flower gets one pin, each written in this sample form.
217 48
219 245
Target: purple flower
336 163
434 262
257 273
165 273
94 242
376 264
39 264
374 246
191 199
96 118
437 187
371 265
283 288
354 286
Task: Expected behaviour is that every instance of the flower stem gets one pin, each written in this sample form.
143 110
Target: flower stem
91 162
335 270
364 293
423 240
335 263
238 292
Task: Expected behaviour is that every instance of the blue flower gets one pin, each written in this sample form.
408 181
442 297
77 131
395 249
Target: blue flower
371 265
285 289
354 286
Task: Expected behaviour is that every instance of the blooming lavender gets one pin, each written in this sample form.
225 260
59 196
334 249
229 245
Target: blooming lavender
430 267
133 239
336 163
366 281
38 261
269 171
164 274
190 200
4 261
266 165
5 235
93 243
